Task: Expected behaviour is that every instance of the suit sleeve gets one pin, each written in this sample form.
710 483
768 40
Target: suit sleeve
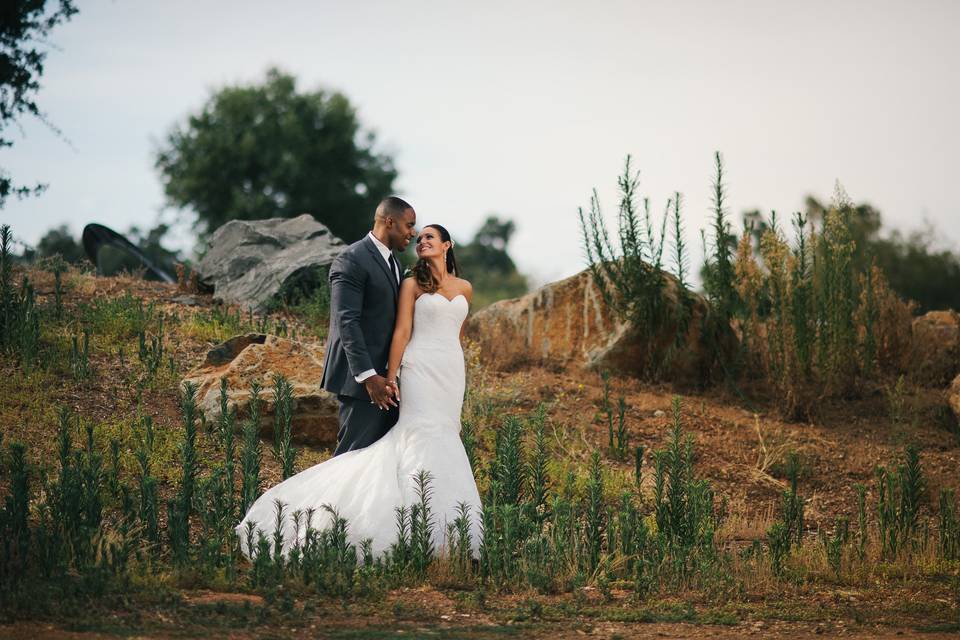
363 376
346 298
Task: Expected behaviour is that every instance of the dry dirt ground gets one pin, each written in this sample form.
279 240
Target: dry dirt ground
740 445
428 613
232 620
741 452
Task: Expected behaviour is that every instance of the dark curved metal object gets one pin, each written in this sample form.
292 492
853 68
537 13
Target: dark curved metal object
96 236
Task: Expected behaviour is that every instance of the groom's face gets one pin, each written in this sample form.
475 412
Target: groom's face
402 230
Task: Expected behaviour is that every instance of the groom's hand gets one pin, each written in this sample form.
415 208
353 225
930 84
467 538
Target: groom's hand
380 391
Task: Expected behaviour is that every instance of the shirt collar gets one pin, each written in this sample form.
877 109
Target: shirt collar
382 248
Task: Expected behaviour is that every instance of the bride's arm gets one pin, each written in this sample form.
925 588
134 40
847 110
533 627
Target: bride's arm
403 327
468 294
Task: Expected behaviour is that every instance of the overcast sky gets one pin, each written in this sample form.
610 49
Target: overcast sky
521 108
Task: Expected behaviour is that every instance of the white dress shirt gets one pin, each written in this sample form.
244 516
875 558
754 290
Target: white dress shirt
385 252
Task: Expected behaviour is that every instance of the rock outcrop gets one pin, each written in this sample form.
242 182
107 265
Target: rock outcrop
953 397
935 349
257 357
567 324
252 262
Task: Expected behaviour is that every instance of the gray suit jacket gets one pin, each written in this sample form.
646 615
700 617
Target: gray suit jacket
363 310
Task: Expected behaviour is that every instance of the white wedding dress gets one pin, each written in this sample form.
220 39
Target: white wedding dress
366 485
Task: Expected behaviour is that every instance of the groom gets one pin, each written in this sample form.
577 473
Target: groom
364 285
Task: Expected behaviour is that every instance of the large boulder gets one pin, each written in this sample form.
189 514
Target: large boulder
953 397
935 348
252 262
257 357
566 324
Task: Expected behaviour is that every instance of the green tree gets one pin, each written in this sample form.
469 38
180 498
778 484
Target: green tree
917 270
24 27
267 150
488 265
912 265
59 241
113 261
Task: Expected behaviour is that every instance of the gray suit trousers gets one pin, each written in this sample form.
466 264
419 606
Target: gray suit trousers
362 423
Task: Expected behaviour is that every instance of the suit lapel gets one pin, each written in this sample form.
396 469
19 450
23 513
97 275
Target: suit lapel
384 267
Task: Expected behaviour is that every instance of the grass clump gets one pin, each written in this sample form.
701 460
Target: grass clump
631 275
811 322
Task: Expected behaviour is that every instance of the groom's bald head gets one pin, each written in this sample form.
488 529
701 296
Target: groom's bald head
394 222
391 207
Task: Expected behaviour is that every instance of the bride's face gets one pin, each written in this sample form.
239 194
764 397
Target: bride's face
429 243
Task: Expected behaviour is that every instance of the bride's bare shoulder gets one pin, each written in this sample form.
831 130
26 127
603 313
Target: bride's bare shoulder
410 287
465 288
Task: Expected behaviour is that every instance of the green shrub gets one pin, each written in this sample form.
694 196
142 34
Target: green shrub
631 276
283 450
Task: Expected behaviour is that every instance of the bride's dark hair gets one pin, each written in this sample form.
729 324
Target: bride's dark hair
421 270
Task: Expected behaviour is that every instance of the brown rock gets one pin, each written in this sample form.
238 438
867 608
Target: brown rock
953 397
257 357
935 348
567 324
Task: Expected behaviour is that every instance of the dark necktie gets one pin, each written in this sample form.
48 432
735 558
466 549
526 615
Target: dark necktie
393 268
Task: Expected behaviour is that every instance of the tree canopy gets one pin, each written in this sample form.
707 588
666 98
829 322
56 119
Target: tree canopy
487 264
267 150
913 265
24 26
59 241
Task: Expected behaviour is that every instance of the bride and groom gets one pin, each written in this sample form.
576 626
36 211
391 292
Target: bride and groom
395 361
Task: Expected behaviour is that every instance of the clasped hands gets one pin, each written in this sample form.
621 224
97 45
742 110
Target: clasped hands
383 393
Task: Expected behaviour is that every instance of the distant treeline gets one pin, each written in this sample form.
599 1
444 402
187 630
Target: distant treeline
485 260
914 266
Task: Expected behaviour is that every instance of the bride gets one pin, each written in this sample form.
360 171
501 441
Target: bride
426 371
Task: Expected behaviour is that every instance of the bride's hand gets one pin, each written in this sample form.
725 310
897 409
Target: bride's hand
379 390
394 388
